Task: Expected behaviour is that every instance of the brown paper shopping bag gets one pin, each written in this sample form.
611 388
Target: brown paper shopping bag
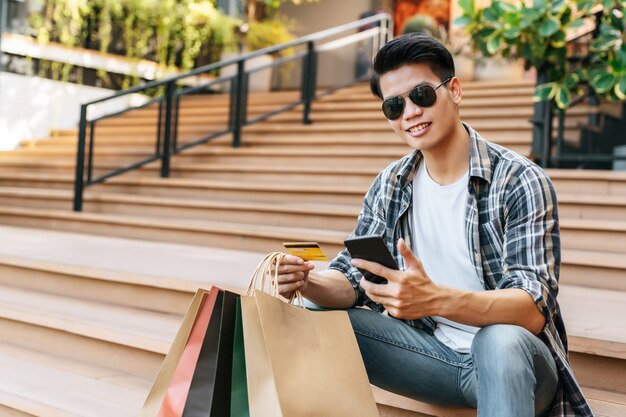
178 389
298 362
153 402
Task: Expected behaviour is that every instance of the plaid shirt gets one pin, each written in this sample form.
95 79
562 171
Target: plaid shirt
512 234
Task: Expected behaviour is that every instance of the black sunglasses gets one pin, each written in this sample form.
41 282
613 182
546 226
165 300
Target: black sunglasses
422 95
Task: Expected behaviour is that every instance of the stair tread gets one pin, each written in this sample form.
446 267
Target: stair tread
593 174
594 320
594 258
128 260
323 208
43 390
603 175
142 329
276 232
234 185
608 200
94 196
594 224
603 403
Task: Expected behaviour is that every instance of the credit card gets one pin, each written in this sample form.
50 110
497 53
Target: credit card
309 251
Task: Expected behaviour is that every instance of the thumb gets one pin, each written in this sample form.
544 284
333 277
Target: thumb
409 258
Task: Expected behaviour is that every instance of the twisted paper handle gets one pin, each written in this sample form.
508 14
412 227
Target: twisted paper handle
266 274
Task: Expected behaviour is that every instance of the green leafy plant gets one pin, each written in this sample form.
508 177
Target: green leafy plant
538 35
176 34
422 24
268 33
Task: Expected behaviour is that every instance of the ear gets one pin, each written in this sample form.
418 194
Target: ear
454 86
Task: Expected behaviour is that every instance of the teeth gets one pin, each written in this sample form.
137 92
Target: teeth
418 127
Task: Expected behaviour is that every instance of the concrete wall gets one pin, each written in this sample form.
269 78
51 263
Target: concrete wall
30 106
335 66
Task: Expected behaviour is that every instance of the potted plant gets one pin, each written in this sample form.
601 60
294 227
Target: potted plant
538 35
422 23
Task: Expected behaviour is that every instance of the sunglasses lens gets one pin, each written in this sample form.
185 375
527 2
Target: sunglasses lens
393 107
423 96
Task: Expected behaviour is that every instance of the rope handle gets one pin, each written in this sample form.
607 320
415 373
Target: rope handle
266 276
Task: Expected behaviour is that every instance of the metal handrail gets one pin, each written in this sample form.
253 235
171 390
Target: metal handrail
378 28
544 111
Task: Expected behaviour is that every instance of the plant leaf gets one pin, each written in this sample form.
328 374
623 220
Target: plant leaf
563 97
507 8
559 40
493 44
620 88
511 33
532 14
462 21
572 80
603 82
544 92
467 6
491 13
549 27
557 5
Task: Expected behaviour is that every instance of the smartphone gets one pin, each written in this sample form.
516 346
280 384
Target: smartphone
371 248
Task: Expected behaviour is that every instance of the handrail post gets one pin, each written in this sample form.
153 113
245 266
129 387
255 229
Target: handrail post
309 81
539 117
165 157
80 160
547 135
239 103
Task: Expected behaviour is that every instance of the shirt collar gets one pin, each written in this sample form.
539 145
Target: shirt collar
480 161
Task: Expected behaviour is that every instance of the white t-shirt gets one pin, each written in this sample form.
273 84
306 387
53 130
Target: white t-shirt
440 243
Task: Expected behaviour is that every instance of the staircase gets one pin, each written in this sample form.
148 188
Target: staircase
90 301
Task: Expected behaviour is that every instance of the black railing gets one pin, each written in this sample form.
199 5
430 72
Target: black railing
550 145
375 29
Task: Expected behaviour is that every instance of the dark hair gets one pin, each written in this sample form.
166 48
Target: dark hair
413 48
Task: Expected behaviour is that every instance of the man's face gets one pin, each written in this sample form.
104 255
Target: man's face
423 128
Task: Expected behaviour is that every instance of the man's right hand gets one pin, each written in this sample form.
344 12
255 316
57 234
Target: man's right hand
293 274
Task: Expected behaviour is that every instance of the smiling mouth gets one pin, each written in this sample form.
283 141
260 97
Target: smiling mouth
418 128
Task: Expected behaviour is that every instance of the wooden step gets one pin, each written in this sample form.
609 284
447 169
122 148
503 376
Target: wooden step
322 216
603 403
235 191
34 384
592 268
585 206
596 235
572 181
237 236
597 336
102 286
119 338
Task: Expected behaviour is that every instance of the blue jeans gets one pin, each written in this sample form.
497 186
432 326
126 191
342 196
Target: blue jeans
509 372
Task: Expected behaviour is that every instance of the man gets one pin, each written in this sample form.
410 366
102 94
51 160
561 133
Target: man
472 317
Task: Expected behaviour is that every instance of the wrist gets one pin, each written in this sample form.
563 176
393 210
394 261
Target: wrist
448 301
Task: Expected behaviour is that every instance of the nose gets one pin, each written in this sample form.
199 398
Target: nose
411 110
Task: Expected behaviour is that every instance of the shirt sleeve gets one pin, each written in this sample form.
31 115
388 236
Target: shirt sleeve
370 221
532 251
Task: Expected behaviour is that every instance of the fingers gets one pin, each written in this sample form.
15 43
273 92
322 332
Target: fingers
292 277
287 289
410 259
374 268
292 260
295 269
